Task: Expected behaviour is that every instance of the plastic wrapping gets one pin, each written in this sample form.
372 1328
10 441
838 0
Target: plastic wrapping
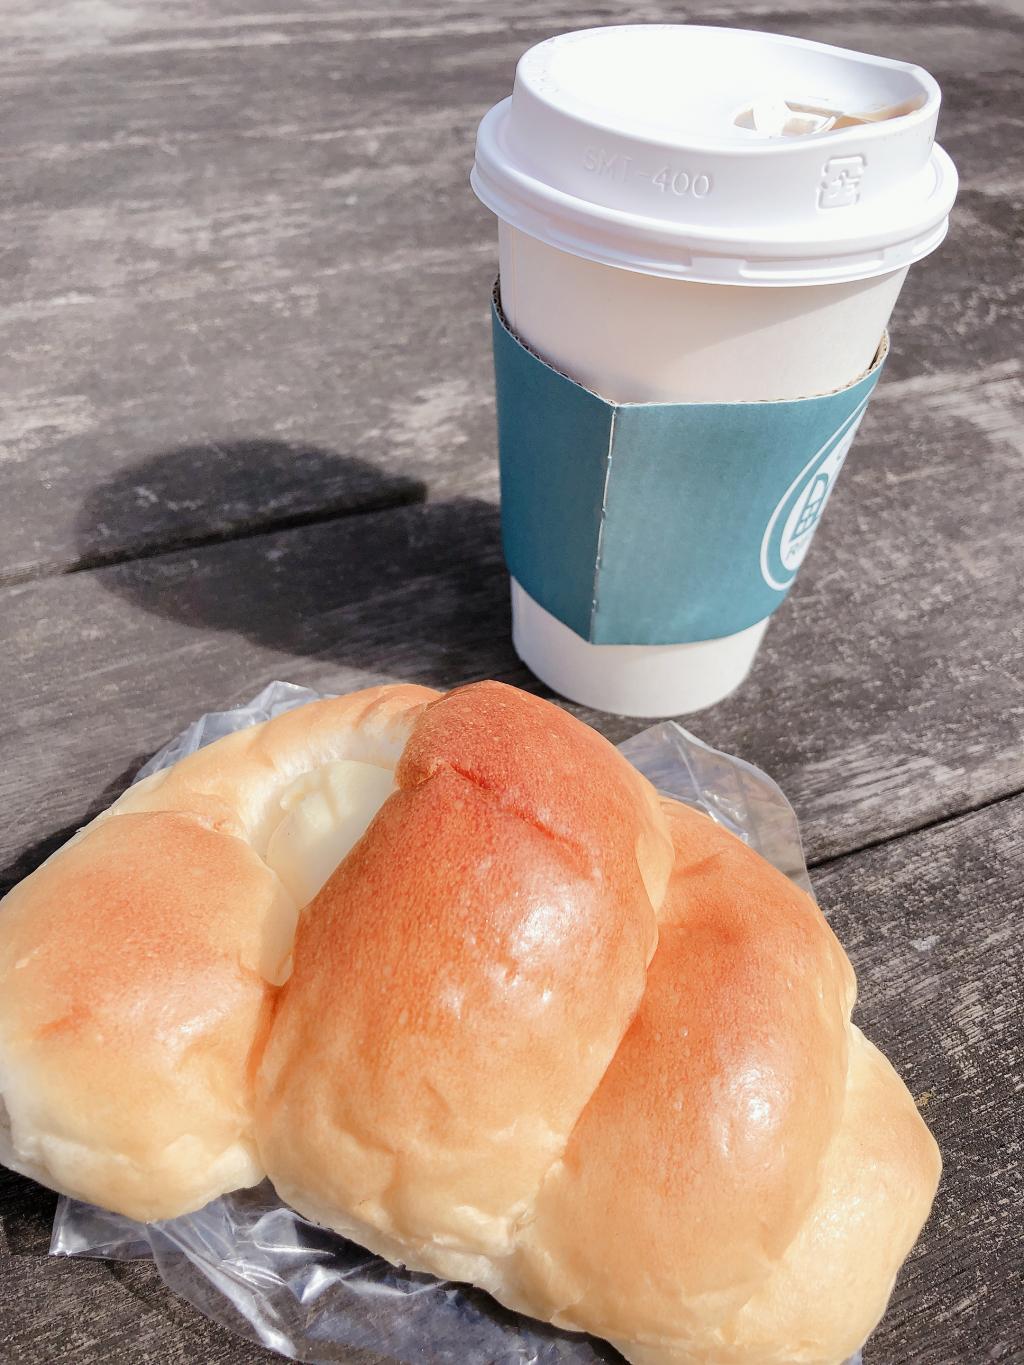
252 1264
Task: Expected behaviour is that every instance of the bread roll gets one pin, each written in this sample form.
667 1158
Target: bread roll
139 964
463 981
134 973
450 973
770 1170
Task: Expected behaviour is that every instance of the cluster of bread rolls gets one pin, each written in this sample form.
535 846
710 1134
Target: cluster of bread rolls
450 973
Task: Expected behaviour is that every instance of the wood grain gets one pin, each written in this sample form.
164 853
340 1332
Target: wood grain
934 925
889 693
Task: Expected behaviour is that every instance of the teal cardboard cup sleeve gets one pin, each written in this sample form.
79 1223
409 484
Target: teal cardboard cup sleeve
660 523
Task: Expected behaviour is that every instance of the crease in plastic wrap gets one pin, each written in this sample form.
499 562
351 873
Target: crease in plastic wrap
257 1267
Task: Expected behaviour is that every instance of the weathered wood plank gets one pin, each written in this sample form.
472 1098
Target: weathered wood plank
87 1312
934 924
905 621
242 226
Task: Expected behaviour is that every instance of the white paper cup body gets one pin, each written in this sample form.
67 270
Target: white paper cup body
637 338
630 680
727 276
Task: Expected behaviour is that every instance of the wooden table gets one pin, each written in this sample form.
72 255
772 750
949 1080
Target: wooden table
249 433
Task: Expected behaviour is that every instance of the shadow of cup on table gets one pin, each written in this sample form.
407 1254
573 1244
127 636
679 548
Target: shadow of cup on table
259 539
220 490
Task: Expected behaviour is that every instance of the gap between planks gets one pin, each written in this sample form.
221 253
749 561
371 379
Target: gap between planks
923 827
10 578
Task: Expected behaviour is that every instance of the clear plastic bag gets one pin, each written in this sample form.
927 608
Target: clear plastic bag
259 1268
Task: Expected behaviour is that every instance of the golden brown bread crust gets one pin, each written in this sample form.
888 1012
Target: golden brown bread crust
137 966
833 1281
469 972
830 1286
718 1105
541 1031
133 998
768 1184
538 762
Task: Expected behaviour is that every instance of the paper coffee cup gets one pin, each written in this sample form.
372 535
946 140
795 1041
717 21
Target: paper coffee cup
740 235
673 340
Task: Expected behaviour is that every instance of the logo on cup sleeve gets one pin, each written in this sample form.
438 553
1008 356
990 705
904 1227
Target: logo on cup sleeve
789 532
840 182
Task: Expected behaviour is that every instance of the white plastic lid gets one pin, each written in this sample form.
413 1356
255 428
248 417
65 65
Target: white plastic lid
719 155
